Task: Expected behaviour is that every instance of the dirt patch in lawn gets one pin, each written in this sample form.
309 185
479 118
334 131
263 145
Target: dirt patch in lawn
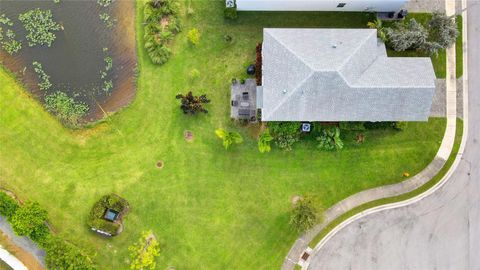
188 135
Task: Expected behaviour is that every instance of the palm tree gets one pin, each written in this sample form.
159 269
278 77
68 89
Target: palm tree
264 141
228 137
378 24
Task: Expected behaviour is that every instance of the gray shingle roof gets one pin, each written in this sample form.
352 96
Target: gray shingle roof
341 75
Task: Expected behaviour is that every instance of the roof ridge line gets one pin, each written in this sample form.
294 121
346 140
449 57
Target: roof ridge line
356 50
290 94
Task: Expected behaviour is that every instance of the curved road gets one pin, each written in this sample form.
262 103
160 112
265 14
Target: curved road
442 231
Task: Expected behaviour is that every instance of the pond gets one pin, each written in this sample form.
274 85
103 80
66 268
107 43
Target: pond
79 54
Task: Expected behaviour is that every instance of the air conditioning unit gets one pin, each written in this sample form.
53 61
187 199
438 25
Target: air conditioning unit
230 3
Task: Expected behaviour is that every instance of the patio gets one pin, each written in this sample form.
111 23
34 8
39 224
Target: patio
243 100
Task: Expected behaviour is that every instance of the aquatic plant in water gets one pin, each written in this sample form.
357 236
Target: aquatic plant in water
66 108
8 44
109 22
104 3
43 78
107 85
40 26
5 20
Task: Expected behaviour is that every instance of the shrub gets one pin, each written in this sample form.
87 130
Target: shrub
65 108
264 141
40 26
285 134
400 125
191 104
230 13
352 126
63 255
194 36
329 138
379 125
411 35
304 214
96 218
44 79
29 219
144 252
8 205
378 24
258 64
228 137
161 26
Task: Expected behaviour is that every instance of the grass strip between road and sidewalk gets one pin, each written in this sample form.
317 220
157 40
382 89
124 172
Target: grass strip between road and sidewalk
448 164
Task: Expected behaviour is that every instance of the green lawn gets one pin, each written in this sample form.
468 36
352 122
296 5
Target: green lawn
210 208
439 61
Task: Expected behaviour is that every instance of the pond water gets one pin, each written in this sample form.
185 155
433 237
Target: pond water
77 56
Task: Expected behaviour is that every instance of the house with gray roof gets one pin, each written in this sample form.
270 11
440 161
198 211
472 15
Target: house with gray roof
340 75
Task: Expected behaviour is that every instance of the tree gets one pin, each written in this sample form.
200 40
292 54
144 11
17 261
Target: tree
228 137
192 104
264 141
63 255
144 252
443 29
304 214
194 36
411 35
29 219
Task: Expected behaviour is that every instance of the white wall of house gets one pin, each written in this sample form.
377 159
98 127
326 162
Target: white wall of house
320 5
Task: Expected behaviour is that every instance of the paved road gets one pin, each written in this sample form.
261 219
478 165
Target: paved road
441 231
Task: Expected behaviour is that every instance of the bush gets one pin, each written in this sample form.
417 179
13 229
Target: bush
29 220
40 26
191 104
329 138
96 218
194 36
8 205
258 64
264 141
63 255
285 134
304 214
400 125
379 125
144 252
228 137
161 25
352 126
411 35
230 13
66 108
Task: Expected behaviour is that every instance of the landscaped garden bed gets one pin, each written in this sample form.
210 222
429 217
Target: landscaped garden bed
209 208
106 215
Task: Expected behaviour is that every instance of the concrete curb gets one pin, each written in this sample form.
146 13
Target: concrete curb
11 260
301 244
458 158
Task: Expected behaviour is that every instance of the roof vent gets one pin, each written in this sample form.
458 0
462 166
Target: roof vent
334 45
284 91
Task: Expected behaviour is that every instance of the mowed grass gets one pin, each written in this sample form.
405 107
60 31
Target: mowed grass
209 208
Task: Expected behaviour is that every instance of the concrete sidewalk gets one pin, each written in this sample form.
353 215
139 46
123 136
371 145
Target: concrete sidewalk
301 244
